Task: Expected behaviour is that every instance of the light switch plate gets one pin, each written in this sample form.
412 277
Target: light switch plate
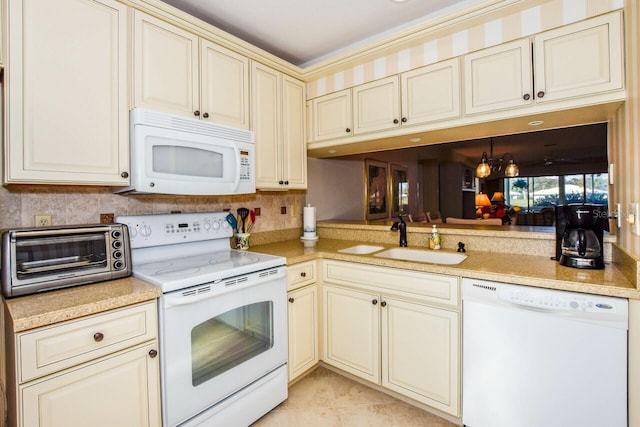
635 211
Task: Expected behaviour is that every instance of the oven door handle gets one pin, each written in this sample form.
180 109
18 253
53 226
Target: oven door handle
179 299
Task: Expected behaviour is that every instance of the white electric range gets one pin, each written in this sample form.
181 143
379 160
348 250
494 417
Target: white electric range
223 319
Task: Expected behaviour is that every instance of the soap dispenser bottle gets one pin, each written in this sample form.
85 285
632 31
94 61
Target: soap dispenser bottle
434 240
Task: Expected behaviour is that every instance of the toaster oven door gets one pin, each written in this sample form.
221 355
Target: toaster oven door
48 259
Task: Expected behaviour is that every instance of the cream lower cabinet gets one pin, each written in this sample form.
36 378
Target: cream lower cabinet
66 102
303 318
100 370
278 116
396 328
178 72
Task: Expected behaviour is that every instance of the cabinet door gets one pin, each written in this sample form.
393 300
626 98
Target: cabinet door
376 106
303 330
332 116
266 119
121 390
66 92
165 66
421 353
351 333
498 78
431 93
580 59
294 146
224 86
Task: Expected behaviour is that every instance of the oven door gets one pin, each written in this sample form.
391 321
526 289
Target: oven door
217 339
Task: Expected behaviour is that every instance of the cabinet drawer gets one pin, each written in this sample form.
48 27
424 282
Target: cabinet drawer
406 283
301 274
51 349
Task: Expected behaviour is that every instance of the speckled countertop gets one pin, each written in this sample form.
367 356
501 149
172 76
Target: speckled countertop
529 270
33 311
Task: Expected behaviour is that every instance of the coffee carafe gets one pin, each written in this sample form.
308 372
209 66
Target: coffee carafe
579 235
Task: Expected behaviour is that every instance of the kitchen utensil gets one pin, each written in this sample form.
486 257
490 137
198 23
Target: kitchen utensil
244 213
252 220
231 219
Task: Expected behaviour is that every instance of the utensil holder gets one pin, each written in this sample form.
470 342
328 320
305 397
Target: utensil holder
242 241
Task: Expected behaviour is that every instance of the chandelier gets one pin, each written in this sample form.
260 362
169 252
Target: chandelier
489 164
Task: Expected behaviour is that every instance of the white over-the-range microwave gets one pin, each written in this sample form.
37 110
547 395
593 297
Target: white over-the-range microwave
179 155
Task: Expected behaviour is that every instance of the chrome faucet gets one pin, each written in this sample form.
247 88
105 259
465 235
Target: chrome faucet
402 227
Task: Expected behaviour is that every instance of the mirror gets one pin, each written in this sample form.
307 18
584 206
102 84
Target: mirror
399 190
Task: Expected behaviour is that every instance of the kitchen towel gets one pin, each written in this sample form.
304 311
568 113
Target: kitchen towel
309 221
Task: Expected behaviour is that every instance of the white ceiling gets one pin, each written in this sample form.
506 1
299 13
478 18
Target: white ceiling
304 32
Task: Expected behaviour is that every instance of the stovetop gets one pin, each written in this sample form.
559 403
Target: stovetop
178 251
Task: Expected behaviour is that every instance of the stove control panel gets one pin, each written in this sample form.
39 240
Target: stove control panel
165 229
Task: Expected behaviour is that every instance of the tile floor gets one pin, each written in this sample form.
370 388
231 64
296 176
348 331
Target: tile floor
326 399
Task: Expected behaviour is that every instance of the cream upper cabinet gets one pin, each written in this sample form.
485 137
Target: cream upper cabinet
178 72
577 60
332 116
376 105
351 331
165 66
580 59
278 113
431 93
66 115
224 85
498 78
436 353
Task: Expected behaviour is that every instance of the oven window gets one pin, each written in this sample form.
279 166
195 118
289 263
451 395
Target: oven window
227 340
187 161
37 256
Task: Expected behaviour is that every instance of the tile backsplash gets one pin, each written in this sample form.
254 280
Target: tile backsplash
83 205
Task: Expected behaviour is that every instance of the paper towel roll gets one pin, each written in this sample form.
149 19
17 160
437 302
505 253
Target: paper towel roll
309 221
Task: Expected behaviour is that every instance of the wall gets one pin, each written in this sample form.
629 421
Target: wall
450 37
624 133
83 205
337 186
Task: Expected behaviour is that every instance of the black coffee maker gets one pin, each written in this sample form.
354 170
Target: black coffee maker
579 232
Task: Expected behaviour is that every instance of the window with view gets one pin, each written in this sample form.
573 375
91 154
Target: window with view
542 193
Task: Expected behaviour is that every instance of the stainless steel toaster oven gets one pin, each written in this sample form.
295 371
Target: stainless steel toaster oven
42 259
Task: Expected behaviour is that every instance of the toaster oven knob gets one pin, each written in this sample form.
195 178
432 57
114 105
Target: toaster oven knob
117 254
116 234
118 265
116 244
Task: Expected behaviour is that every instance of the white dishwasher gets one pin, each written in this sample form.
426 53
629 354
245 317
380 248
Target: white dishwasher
535 357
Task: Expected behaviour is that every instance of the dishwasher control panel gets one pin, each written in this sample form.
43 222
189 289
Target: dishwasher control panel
543 299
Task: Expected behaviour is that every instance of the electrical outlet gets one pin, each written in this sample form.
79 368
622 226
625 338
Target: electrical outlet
106 218
256 211
43 220
283 210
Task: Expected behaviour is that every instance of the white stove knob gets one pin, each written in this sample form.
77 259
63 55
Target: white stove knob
225 225
207 224
133 232
145 230
216 225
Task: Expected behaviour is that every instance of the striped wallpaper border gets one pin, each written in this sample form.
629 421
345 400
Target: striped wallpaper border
493 31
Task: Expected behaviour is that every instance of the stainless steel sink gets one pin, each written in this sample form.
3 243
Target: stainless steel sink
421 255
361 249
